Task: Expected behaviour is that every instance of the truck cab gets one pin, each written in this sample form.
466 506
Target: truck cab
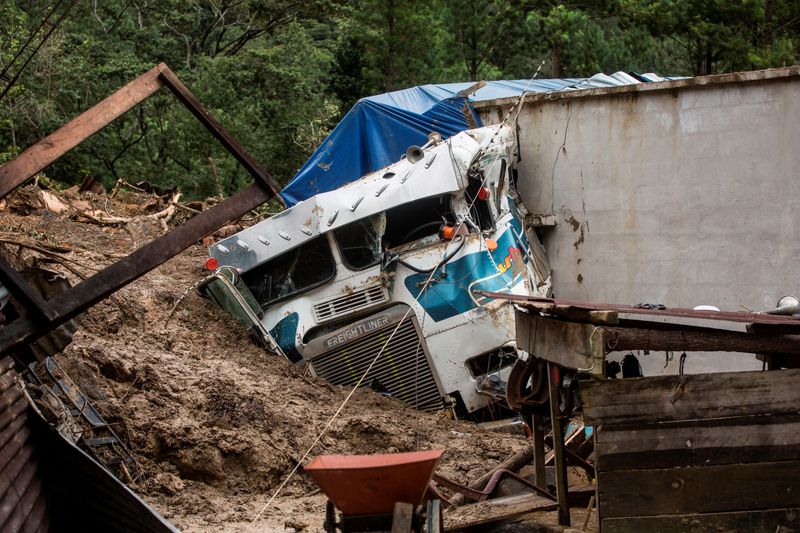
378 283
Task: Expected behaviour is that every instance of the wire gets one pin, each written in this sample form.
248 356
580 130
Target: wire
405 315
347 399
440 264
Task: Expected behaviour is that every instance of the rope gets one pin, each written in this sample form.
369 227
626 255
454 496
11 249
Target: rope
347 399
400 322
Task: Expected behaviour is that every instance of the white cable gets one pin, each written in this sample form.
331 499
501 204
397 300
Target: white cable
405 315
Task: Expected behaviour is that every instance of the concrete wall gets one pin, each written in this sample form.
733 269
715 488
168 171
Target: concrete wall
681 193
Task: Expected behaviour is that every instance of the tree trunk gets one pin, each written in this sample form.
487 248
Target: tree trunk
769 24
624 339
390 51
555 59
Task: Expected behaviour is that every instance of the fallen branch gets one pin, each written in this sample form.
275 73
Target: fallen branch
163 216
97 217
42 247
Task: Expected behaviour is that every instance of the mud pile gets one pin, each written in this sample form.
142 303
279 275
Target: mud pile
215 423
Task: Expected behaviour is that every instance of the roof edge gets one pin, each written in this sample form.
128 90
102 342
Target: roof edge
772 74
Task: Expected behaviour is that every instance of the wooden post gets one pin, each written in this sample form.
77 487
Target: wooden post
558 446
402 517
539 474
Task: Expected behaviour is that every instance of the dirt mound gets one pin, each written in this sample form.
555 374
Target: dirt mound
215 423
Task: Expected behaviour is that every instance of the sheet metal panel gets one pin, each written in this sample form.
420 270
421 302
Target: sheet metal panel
22 501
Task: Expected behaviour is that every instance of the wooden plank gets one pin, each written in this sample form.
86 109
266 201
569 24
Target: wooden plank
659 447
654 399
707 489
770 521
77 130
564 343
495 510
402 517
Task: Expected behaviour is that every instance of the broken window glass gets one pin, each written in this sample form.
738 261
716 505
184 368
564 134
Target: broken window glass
298 270
360 242
416 220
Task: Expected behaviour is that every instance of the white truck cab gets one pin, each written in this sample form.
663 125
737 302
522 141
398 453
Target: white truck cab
326 282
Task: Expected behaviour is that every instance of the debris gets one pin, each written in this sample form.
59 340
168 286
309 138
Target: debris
512 464
91 184
52 203
490 511
196 387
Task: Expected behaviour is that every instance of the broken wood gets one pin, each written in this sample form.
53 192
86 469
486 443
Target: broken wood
589 510
486 512
104 219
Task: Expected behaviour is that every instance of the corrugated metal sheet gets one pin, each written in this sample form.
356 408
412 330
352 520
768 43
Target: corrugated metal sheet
47 484
83 496
22 500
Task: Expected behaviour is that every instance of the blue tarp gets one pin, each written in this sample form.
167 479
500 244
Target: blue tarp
378 129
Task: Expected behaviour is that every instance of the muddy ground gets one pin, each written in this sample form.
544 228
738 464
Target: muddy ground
214 422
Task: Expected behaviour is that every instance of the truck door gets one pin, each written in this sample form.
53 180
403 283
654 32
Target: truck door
226 288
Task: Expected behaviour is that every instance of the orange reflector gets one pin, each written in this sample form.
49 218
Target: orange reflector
483 194
491 244
213 264
448 232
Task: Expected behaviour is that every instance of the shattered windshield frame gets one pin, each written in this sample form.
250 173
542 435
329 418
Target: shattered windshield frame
359 242
294 272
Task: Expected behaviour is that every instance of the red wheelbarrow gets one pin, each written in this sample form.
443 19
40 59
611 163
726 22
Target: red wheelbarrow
378 492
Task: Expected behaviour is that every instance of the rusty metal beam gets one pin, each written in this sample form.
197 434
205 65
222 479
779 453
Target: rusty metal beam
232 145
24 293
69 304
48 150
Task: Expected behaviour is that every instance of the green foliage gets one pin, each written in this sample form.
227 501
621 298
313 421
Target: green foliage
720 35
279 73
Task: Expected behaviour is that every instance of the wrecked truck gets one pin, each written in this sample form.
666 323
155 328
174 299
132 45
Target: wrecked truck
326 282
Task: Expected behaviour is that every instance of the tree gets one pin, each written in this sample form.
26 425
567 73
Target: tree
479 29
717 35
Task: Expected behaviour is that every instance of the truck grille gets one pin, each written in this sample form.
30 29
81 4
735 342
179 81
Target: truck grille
404 359
350 303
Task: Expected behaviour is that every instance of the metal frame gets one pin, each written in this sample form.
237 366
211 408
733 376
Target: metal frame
577 335
42 316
